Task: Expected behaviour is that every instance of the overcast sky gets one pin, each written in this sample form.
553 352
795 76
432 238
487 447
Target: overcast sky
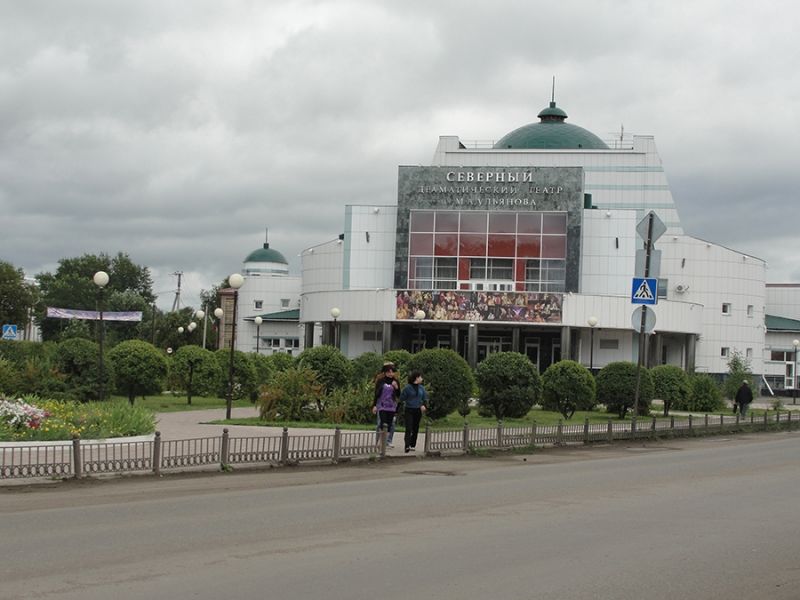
177 131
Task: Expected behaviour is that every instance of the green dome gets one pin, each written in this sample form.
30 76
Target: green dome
266 254
551 133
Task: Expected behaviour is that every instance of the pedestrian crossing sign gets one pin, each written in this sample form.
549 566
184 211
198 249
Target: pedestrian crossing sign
644 290
9 332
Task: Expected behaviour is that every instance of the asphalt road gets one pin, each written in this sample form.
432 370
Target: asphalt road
711 518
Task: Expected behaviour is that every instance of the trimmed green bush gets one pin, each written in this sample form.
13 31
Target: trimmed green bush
330 365
616 388
366 367
400 359
265 368
294 395
139 368
281 361
509 385
351 405
244 375
448 379
671 386
706 396
568 386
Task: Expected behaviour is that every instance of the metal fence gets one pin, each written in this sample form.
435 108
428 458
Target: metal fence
472 439
78 458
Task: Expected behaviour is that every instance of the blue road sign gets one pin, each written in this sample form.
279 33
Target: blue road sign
9 332
644 291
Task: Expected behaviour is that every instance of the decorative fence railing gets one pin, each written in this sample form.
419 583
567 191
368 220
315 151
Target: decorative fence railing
78 458
500 437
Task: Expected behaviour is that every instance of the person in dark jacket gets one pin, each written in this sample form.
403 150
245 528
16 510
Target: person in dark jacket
413 398
386 392
744 396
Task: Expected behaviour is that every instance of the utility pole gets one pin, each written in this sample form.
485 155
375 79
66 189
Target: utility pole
176 303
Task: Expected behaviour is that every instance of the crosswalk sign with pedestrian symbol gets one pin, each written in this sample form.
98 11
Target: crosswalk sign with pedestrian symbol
644 290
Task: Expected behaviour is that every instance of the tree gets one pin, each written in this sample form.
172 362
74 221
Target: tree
568 386
738 371
448 378
196 370
509 385
616 388
71 286
671 385
16 296
78 361
139 368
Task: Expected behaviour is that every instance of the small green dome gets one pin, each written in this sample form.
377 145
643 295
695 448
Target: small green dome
551 133
266 254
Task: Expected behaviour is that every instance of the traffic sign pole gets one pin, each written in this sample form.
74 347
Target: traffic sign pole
648 247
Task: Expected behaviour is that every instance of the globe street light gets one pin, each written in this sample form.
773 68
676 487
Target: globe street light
258 321
200 315
235 281
335 313
180 329
101 281
795 343
419 315
592 322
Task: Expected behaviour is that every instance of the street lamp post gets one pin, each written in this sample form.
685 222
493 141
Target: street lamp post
795 343
235 281
258 321
101 281
419 316
335 313
200 315
218 314
592 321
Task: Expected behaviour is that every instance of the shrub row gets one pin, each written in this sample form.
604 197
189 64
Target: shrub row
321 383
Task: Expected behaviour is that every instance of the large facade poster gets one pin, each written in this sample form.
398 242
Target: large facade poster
453 305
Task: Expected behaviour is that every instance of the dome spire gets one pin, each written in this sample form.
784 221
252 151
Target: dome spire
266 238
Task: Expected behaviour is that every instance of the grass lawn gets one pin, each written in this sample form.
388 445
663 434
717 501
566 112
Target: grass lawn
176 403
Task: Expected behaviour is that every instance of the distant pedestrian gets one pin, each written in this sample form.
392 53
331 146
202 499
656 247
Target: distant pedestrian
386 391
744 396
413 398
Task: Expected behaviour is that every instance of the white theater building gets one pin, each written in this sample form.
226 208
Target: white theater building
530 245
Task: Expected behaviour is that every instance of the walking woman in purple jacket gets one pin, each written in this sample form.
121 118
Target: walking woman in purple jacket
386 391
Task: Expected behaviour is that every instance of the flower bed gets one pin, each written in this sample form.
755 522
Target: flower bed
33 419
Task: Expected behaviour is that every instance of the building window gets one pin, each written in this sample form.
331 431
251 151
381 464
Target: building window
284 302
725 352
272 342
258 304
449 249
373 336
780 356
726 308
608 344
748 353
292 342
750 310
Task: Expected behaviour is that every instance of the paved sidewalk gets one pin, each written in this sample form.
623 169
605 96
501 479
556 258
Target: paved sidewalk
196 423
